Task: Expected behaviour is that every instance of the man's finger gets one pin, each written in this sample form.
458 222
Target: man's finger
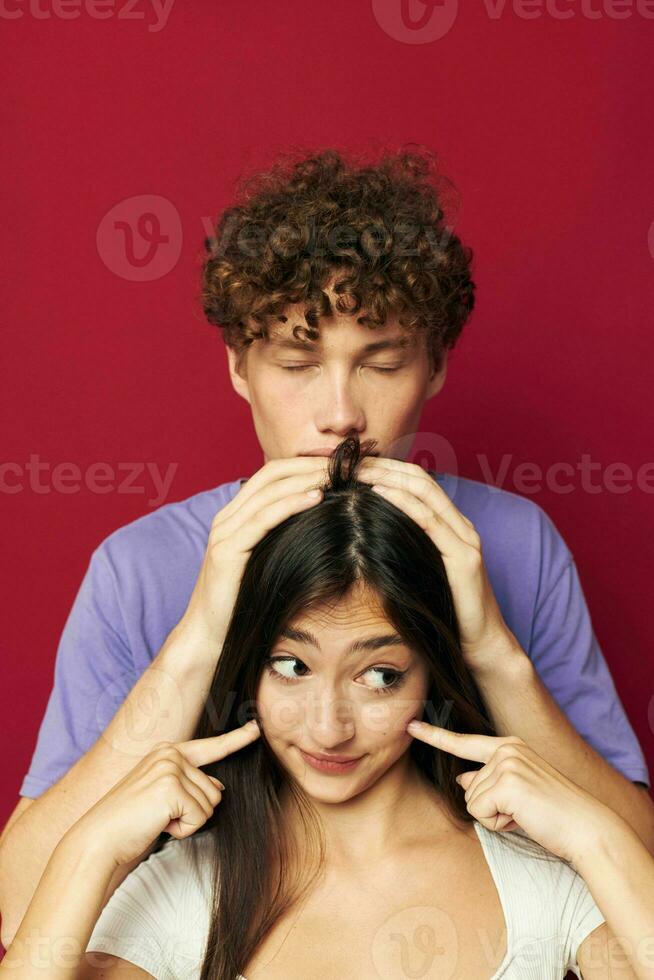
476 747
201 751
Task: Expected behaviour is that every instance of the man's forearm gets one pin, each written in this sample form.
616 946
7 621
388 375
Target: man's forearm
520 704
164 705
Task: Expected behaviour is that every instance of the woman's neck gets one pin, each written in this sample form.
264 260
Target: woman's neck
399 811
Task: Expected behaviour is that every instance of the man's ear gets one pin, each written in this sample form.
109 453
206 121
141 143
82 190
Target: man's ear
238 372
437 379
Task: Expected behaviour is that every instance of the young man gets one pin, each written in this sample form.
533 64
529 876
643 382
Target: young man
340 293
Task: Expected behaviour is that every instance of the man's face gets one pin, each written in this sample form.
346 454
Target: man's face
307 396
318 696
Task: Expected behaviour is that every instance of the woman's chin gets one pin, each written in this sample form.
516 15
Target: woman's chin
322 790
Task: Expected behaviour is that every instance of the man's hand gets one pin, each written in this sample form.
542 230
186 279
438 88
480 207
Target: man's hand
406 485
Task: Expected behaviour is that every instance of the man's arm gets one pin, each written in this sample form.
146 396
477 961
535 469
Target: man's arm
164 705
554 689
520 704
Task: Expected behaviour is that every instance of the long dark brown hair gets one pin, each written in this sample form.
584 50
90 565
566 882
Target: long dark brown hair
352 537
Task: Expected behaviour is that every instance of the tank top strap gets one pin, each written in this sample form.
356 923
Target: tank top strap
523 874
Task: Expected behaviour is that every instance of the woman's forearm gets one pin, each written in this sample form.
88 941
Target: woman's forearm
164 705
54 933
619 872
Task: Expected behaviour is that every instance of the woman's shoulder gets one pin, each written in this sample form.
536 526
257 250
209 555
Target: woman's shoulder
159 916
514 856
546 902
181 870
190 859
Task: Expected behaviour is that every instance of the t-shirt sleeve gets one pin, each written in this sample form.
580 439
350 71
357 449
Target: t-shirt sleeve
158 917
568 658
93 673
582 917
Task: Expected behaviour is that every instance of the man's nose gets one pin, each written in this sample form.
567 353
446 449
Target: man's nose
338 405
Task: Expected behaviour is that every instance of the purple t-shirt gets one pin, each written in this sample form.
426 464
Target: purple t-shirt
140 578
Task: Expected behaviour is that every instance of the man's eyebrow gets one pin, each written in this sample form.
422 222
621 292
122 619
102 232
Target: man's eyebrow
396 343
370 643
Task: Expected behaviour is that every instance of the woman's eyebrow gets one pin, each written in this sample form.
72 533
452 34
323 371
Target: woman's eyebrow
369 643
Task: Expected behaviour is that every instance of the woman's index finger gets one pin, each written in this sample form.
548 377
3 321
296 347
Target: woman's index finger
465 746
201 751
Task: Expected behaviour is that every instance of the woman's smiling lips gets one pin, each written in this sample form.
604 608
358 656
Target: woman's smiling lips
330 764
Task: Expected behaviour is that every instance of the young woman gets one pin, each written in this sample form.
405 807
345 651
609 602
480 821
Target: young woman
347 842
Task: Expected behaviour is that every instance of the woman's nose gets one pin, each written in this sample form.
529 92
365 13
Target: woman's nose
330 719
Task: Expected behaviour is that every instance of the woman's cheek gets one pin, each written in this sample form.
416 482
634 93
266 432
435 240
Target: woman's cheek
281 712
387 720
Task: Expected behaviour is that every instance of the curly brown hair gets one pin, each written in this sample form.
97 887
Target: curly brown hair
305 220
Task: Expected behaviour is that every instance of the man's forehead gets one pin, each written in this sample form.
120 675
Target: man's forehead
366 340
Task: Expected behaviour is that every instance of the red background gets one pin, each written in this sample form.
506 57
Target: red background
542 125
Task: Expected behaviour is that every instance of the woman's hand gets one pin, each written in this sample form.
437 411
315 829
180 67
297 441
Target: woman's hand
481 624
164 792
517 788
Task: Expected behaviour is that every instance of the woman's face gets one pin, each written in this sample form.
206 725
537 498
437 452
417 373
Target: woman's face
321 695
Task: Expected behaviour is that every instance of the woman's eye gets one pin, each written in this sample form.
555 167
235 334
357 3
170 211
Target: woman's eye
384 370
283 667
385 685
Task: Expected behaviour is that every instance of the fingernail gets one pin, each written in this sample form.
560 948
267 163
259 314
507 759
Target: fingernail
458 779
414 726
254 722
